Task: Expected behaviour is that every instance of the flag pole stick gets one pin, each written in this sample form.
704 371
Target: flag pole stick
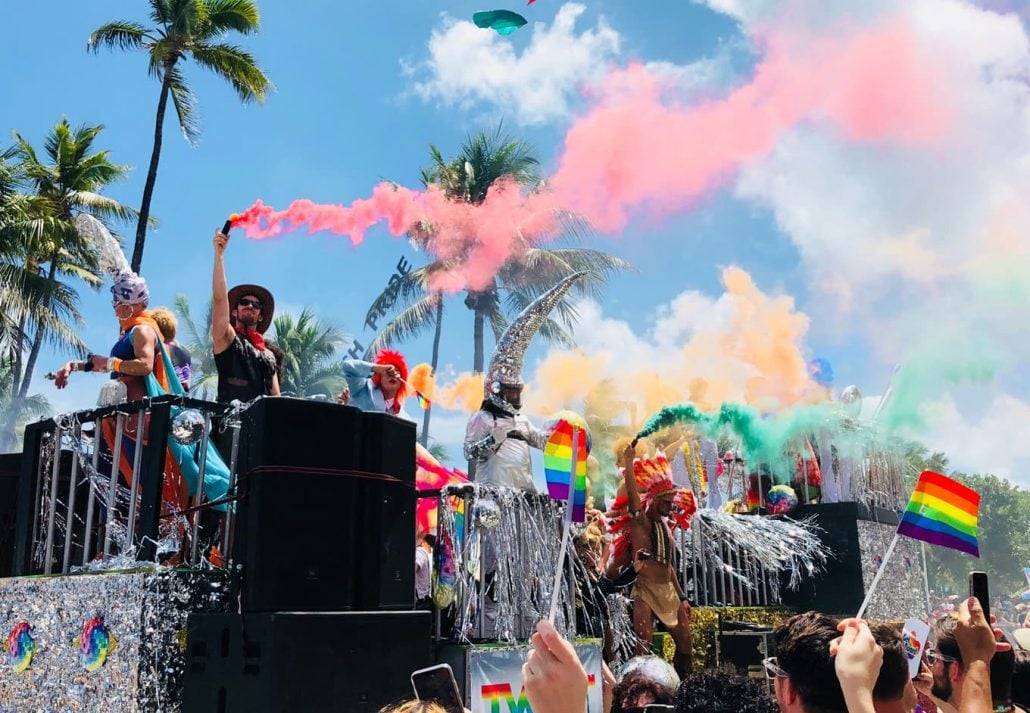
876 578
567 527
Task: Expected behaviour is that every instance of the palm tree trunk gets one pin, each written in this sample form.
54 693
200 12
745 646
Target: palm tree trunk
148 187
18 352
37 338
477 340
436 358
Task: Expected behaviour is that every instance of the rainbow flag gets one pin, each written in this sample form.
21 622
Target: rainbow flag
558 467
942 512
422 401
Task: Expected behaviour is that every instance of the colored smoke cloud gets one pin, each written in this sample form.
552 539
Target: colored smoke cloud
639 150
745 346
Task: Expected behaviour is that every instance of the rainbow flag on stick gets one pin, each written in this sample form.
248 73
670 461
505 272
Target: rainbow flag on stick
558 467
942 512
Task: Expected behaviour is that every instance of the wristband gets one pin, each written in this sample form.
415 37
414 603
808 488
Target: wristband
114 364
88 364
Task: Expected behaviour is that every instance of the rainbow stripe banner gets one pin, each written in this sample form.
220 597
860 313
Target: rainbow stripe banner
942 512
558 467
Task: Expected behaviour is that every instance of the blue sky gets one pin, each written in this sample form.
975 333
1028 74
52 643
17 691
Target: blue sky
347 113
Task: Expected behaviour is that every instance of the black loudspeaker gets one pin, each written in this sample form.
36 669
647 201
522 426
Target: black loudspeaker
297 518
840 587
299 433
312 662
10 470
387 539
744 644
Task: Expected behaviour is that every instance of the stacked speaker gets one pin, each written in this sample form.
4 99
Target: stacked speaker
324 539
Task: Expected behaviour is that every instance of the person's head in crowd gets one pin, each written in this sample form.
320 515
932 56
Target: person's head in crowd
636 690
948 674
805 680
414 707
166 322
892 683
1021 679
723 690
945 661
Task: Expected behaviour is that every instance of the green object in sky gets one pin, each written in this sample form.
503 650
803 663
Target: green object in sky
503 21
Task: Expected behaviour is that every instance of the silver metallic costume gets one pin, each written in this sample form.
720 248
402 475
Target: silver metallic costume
500 458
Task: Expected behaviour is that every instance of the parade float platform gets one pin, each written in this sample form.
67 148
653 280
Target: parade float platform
112 641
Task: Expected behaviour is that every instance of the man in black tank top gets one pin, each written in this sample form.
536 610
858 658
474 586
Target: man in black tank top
239 318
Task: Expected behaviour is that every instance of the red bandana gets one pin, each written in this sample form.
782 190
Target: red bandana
255 337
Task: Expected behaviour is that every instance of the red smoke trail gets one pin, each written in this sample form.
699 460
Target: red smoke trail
639 149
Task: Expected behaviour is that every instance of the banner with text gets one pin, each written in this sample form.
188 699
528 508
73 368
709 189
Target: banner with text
495 678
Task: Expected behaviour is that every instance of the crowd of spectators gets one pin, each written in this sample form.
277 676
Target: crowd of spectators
822 665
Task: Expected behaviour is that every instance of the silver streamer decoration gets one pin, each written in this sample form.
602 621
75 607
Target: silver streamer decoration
779 547
624 635
187 426
503 575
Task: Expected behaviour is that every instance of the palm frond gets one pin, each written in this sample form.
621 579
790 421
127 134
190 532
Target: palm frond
408 324
236 66
117 35
185 105
238 15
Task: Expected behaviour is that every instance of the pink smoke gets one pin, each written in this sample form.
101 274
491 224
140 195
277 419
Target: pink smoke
640 150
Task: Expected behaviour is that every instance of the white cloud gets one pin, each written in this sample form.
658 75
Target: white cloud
994 443
468 65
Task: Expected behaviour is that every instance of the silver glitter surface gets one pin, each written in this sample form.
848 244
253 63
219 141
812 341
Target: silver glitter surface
144 610
901 591
506 362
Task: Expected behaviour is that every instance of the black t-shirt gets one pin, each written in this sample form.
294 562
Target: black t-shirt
244 372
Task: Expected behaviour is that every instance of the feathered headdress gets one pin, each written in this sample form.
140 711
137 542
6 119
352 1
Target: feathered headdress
653 477
127 287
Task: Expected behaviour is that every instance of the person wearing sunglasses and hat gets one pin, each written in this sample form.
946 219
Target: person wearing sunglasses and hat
239 318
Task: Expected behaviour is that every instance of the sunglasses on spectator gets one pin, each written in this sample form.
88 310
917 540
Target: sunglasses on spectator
773 669
933 656
247 302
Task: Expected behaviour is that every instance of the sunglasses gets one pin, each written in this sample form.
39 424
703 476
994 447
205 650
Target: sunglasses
933 656
247 302
773 669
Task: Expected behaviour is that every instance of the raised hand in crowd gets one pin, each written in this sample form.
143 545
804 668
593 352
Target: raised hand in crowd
978 642
555 680
858 661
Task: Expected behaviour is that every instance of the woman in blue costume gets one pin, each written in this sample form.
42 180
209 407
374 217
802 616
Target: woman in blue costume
140 361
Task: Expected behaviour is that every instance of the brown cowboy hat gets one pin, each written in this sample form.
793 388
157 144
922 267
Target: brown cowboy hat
267 303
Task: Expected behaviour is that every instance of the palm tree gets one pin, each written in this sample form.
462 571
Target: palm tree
310 349
182 30
201 349
68 182
484 159
18 412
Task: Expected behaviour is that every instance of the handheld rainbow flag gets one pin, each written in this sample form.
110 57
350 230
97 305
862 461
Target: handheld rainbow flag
558 466
423 401
942 512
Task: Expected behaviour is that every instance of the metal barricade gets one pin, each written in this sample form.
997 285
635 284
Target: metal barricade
84 502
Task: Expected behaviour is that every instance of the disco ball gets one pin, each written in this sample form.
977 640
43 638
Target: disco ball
188 426
486 514
653 668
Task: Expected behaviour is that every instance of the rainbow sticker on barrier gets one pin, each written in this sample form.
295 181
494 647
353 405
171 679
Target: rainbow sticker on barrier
20 646
95 643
